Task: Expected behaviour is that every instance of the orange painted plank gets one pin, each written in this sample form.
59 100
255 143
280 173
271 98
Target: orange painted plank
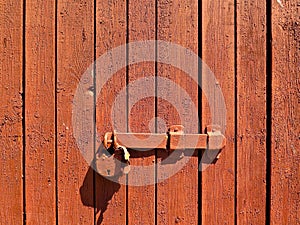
110 197
218 180
75 52
40 112
141 26
177 196
11 135
251 112
285 142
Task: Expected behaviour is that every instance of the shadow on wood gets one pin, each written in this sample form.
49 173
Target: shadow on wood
104 193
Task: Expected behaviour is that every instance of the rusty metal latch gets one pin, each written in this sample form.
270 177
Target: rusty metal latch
174 139
213 139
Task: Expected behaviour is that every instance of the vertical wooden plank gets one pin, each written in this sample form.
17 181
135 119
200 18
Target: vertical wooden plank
285 167
11 140
110 197
251 112
40 112
177 197
75 52
141 26
218 180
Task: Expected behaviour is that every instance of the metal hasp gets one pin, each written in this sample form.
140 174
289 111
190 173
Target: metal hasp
174 139
116 160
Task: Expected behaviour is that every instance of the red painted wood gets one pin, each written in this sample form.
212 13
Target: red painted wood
265 93
285 142
218 180
251 112
40 113
110 197
11 91
141 199
177 197
75 52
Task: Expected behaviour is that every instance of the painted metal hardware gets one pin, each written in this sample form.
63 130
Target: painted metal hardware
108 162
114 160
213 139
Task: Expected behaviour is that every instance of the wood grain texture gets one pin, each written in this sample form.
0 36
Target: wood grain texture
251 112
267 120
110 197
285 161
218 180
40 112
75 52
141 199
177 197
11 135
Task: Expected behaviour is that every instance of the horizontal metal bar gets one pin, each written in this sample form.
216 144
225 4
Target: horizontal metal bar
142 140
187 141
170 141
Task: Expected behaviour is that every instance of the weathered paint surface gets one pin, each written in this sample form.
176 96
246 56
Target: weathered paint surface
252 47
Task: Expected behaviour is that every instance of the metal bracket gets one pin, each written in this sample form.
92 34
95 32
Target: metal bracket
174 139
109 163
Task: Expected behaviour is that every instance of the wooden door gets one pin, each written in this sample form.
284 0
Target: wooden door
251 47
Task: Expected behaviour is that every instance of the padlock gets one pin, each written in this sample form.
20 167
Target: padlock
114 162
107 164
